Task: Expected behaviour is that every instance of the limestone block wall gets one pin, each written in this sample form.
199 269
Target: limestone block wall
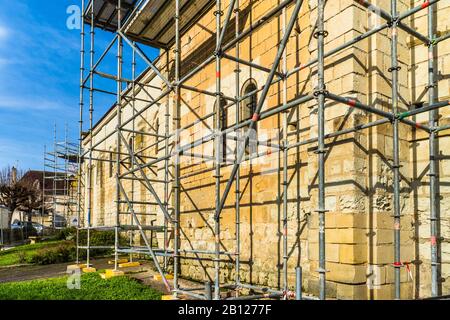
419 154
378 148
359 180
261 181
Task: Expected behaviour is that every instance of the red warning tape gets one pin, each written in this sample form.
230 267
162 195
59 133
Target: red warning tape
408 269
433 240
425 4
351 102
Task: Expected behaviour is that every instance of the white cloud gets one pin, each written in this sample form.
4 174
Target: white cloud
17 103
3 33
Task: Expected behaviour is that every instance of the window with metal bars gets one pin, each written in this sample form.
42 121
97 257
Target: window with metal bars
248 109
223 124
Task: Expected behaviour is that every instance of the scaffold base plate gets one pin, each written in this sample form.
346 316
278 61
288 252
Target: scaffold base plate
158 277
89 270
111 273
129 264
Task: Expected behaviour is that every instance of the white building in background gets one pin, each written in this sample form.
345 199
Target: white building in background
3 217
3 222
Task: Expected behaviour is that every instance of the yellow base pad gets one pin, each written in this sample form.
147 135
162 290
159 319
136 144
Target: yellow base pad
158 277
129 264
110 273
168 297
119 261
76 266
89 270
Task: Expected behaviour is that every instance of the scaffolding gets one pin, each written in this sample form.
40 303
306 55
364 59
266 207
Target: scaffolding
131 23
59 181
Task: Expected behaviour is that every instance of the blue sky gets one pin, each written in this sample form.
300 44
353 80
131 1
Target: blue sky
39 78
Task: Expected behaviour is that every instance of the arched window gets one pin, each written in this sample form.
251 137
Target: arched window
156 137
248 105
223 124
131 144
248 108
132 148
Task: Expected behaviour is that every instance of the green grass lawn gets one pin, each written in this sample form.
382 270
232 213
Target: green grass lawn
21 254
92 287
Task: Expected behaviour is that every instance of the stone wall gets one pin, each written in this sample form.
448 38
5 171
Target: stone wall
419 155
359 224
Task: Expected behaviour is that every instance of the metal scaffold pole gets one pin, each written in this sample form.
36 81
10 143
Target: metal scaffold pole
166 169
433 150
320 93
394 69
133 141
43 209
80 126
238 174
54 179
285 143
119 134
176 120
91 133
218 146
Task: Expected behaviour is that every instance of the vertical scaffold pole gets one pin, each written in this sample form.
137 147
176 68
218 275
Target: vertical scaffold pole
218 139
166 167
91 125
119 125
80 123
55 172
396 155
285 164
433 148
320 34
66 174
238 176
133 139
176 119
43 194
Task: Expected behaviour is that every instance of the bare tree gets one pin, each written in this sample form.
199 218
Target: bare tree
33 202
16 193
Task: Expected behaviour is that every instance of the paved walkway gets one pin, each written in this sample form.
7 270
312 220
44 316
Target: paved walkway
26 272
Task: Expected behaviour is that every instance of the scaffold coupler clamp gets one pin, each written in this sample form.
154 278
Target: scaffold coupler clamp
319 92
323 33
397 68
432 42
431 86
394 22
322 270
218 12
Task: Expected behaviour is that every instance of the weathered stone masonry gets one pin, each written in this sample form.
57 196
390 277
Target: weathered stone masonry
359 224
